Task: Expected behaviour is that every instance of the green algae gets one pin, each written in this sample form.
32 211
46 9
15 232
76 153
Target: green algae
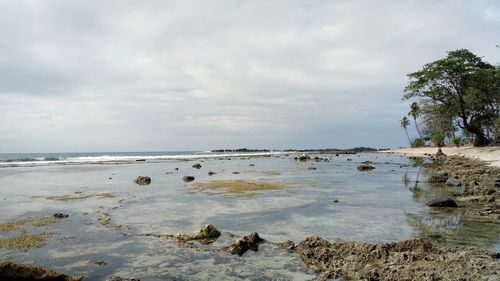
25 240
237 188
71 197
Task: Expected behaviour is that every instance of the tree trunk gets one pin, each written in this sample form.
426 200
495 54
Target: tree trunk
480 138
408 136
416 126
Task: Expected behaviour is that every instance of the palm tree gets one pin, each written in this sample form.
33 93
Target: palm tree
405 122
415 112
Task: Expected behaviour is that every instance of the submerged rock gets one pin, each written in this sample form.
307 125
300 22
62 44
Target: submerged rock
442 202
25 272
365 167
211 173
242 245
188 178
197 166
288 245
118 278
142 180
438 177
453 182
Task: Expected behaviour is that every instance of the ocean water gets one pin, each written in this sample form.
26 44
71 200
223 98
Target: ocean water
334 201
38 159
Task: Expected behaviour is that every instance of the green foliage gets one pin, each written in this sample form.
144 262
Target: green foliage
418 142
415 112
438 139
462 89
457 141
405 122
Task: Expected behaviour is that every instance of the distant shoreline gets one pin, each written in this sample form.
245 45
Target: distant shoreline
488 154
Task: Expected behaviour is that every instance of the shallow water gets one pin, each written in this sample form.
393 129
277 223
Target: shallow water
383 205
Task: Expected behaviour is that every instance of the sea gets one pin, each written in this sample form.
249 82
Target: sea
325 196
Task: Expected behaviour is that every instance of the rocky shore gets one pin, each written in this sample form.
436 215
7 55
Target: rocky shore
477 183
406 260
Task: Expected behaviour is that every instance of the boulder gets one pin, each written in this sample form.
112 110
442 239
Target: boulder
442 202
211 173
141 180
188 178
207 233
242 245
26 272
365 167
453 182
197 166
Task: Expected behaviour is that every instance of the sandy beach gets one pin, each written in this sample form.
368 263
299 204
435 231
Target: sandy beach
488 154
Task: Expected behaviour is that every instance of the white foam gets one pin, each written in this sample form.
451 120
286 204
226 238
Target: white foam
130 158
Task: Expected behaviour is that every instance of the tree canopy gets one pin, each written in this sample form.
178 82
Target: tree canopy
462 88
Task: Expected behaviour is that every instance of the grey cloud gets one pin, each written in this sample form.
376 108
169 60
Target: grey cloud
78 75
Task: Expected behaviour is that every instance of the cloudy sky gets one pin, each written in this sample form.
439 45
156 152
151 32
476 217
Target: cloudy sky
122 75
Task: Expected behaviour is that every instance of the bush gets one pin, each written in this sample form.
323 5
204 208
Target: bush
418 142
438 139
457 141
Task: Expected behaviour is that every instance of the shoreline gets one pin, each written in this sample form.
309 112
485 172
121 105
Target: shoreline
491 155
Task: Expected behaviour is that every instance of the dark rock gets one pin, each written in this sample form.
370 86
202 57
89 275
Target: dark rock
25 272
442 202
60 215
188 178
242 245
211 173
140 160
336 201
365 167
303 157
440 153
453 182
177 169
236 173
197 166
207 234
140 180
251 165
311 168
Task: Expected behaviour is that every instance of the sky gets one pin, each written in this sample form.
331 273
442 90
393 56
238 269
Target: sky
118 75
